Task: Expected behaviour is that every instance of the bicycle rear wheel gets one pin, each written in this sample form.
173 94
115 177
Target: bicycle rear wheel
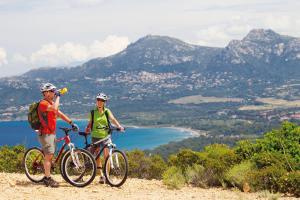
33 162
79 168
116 168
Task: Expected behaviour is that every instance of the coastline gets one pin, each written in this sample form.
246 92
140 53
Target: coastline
193 132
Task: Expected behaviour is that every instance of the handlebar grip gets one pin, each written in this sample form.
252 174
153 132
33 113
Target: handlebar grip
82 133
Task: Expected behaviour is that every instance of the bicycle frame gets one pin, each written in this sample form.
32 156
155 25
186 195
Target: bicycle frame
110 145
67 141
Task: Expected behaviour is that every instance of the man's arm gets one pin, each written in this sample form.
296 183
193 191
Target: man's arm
64 117
54 107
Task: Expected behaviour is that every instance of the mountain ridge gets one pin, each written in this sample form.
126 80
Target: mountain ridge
149 73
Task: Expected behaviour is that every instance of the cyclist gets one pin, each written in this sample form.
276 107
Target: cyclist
48 112
102 117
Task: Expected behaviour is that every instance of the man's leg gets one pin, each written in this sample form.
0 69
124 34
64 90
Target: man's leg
47 164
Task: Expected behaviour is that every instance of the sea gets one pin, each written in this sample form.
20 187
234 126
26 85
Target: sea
18 132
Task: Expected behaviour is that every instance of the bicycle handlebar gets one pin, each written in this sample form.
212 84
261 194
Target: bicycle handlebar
104 128
67 130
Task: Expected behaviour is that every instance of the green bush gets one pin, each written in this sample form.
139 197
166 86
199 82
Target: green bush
285 140
237 176
184 159
142 166
173 178
245 149
290 183
266 178
217 159
11 158
157 167
196 176
265 159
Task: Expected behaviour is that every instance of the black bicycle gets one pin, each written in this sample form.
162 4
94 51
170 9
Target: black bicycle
116 165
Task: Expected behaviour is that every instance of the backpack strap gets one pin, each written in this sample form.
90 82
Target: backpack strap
92 115
108 121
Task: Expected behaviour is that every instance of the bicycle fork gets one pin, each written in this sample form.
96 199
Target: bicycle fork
111 147
74 156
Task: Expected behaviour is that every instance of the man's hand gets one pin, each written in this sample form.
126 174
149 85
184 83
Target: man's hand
57 93
75 127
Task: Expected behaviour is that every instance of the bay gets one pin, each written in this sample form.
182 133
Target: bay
19 132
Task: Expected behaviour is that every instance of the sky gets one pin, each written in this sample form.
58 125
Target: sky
48 33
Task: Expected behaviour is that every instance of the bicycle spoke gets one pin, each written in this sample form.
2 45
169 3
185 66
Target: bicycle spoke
33 164
79 169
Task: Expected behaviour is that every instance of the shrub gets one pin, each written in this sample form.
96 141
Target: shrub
237 176
265 159
196 176
142 166
217 159
285 140
184 159
290 183
244 149
11 158
157 167
173 178
266 178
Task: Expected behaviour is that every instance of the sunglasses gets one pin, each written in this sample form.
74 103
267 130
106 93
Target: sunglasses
100 100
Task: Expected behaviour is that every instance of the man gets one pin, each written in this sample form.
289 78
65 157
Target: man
48 112
101 118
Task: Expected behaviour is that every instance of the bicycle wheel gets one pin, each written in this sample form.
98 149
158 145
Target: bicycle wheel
34 164
63 157
116 168
79 168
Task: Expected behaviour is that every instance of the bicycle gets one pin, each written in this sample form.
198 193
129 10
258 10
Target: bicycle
116 165
77 166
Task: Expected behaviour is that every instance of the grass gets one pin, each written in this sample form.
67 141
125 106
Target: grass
198 99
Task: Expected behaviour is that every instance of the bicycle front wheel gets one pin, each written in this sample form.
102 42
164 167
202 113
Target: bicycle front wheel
33 162
116 168
79 167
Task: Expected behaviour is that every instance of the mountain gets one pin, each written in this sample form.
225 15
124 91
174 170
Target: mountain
144 78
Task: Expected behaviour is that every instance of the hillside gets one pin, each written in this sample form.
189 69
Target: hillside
155 80
17 186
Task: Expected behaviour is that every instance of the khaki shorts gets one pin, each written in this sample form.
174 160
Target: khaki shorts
48 143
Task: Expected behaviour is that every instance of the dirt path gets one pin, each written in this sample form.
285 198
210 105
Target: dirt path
17 186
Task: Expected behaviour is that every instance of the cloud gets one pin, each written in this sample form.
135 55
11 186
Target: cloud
56 55
220 35
3 59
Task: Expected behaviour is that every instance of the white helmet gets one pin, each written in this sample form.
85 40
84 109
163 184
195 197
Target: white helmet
102 96
47 87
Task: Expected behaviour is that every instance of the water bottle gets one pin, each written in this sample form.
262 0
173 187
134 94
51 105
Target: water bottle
63 91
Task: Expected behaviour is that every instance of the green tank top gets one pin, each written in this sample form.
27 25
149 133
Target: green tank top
100 121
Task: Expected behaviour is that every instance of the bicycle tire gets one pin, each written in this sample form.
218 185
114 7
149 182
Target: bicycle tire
61 165
84 174
33 162
116 176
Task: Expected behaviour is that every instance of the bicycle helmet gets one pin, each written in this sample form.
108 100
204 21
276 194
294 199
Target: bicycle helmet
47 87
102 96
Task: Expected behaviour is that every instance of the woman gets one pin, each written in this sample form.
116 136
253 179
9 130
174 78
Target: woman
100 118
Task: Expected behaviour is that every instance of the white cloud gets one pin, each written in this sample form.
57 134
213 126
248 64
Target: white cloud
68 53
3 59
111 45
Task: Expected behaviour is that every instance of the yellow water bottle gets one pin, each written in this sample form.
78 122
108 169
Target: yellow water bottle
63 91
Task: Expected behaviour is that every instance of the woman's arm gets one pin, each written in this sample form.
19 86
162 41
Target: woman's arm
115 121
